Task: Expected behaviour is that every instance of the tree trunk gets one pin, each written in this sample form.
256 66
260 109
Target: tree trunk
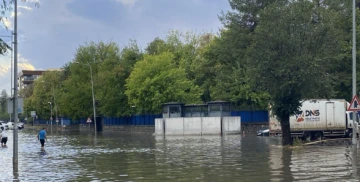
285 128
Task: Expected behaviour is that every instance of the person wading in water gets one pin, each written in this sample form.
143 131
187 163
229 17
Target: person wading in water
3 137
42 137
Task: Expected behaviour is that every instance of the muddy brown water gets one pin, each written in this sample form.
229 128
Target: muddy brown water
75 156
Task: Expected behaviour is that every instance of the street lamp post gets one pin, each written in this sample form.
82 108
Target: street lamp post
93 95
54 100
51 113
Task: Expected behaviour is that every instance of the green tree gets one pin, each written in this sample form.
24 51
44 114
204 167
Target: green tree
227 75
4 116
114 72
3 101
27 91
341 66
189 50
293 46
157 46
76 93
155 80
45 90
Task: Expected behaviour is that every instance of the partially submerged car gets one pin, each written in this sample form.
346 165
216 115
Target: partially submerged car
10 126
264 132
20 125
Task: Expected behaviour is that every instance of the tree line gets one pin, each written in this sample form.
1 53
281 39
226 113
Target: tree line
269 53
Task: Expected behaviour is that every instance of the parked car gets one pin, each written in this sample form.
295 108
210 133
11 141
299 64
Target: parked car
10 125
6 126
264 132
20 125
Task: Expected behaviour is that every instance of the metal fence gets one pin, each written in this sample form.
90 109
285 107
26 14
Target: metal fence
64 121
246 117
252 116
132 120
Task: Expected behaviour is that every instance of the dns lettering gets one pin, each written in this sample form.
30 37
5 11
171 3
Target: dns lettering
312 112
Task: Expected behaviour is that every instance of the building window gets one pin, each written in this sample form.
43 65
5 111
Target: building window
188 109
197 109
215 108
174 109
226 108
165 110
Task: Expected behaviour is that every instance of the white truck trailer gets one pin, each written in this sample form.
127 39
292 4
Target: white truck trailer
318 118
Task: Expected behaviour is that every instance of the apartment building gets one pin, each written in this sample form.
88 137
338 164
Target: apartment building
27 77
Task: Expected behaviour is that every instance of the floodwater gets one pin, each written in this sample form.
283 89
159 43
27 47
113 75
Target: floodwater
143 157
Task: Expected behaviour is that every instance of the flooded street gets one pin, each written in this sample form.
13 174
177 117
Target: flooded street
142 157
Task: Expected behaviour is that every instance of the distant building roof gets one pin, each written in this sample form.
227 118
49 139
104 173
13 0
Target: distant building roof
173 103
189 105
55 69
30 72
218 102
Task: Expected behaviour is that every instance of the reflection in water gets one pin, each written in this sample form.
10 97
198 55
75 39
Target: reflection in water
15 171
321 163
313 163
276 162
80 156
200 158
354 162
286 160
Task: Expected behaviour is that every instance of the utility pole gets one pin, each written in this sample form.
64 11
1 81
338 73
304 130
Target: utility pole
354 135
15 99
51 113
93 98
11 77
92 93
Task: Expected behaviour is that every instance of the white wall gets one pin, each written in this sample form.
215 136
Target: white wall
231 125
197 126
192 126
159 126
211 125
174 126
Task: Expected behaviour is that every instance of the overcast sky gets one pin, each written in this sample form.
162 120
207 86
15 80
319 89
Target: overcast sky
50 34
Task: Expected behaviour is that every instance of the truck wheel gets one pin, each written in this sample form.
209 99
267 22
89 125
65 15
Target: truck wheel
318 135
307 136
350 135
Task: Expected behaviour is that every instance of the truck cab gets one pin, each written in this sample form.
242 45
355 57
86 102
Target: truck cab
349 120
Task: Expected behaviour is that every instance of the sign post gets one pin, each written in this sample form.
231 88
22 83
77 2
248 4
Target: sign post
57 124
33 115
89 121
354 106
